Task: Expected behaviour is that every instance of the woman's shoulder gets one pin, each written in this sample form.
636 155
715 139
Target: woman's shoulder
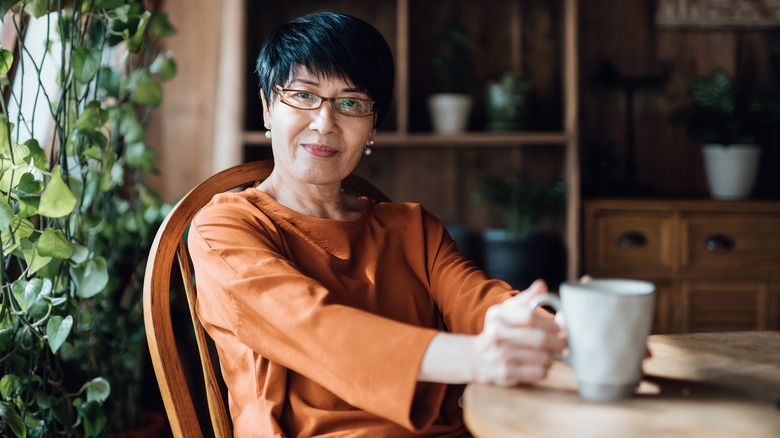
233 205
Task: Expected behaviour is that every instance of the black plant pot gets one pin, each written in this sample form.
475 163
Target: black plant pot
541 255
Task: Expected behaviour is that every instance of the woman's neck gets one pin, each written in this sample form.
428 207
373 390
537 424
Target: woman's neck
320 201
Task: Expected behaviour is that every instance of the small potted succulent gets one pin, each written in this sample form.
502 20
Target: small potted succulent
454 65
731 127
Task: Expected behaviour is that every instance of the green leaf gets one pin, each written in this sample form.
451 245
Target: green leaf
91 278
38 8
6 215
148 93
110 81
28 205
128 124
57 199
138 155
57 331
26 292
109 4
107 161
20 229
53 243
160 27
8 385
32 257
94 418
93 117
80 253
170 70
6 61
5 137
29 184
86 63
37 156
135 42
6 5
13 420
98 389
91 136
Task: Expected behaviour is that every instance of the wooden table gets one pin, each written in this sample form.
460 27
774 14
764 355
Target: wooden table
696 385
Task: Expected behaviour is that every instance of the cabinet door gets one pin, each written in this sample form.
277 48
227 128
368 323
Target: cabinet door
709 306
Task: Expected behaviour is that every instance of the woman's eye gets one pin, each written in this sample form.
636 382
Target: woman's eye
351 104
304 95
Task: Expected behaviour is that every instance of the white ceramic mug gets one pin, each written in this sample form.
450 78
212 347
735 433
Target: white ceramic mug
608 321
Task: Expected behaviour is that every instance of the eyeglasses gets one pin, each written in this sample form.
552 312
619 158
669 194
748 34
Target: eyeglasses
305 100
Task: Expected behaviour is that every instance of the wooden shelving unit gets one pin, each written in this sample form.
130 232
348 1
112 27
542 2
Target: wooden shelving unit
403 136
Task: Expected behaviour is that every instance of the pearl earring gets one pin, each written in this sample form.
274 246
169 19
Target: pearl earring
268 134
367 149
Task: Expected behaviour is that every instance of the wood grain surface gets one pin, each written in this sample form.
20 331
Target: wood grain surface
700 384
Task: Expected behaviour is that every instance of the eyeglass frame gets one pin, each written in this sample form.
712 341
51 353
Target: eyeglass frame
279 90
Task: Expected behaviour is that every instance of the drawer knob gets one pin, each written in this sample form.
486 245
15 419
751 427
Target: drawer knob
719 242
631 239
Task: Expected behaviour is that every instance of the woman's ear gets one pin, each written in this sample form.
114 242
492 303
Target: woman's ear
266 110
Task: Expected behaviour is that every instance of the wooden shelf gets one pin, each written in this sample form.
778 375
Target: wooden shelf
468 139
411 27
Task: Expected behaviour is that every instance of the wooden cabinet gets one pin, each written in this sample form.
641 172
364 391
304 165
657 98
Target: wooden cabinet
716 265
535 38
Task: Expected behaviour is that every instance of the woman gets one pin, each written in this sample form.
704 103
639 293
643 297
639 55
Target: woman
334 315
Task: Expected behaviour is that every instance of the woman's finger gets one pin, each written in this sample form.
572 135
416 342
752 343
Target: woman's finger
525 338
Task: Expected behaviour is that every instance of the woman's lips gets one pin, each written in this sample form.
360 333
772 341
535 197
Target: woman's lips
319 150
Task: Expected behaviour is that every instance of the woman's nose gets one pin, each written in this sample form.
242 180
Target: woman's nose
324 119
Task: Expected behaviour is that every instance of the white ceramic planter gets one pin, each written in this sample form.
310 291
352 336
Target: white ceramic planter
449 112
731 170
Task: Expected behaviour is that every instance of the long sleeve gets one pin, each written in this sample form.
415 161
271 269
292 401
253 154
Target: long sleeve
321 322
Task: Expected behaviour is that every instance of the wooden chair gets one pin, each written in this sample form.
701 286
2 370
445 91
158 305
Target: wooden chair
169 243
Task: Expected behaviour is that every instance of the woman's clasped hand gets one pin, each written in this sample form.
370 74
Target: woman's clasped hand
517 345
518 342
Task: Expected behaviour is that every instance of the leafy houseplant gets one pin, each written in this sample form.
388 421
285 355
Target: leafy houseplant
730 126
454 65
521 252
76 219
718 115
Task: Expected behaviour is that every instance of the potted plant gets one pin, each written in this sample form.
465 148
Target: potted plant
454 65
731 127
76 219
509 103
521 250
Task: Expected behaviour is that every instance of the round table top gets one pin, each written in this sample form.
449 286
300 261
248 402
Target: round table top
713 385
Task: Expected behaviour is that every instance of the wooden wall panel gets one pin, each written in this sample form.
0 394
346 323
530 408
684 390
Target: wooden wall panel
667 162
182 129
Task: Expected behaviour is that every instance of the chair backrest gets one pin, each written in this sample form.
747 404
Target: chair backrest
169 244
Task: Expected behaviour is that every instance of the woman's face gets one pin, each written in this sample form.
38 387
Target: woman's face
318 146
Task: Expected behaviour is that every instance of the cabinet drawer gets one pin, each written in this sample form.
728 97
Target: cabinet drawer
727 306
749 242
633 242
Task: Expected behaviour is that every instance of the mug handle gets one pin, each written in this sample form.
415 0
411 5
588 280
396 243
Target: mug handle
546 299
552 300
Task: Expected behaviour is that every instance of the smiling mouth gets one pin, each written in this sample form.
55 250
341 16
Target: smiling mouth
319 150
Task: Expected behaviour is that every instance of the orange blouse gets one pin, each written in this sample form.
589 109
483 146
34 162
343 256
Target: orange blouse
321 325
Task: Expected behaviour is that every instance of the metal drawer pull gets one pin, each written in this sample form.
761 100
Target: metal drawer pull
631 239
719 242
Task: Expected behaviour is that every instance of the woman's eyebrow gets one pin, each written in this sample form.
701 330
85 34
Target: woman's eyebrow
305 81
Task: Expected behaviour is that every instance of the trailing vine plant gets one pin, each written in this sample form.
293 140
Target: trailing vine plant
76 219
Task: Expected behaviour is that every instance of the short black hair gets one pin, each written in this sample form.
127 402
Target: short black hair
330 44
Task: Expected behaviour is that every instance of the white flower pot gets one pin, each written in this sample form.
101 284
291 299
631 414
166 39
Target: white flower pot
731 170
449 112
